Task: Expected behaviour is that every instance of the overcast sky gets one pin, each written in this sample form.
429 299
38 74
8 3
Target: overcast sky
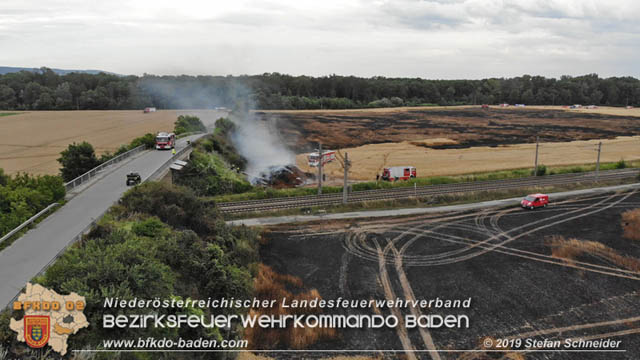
408 38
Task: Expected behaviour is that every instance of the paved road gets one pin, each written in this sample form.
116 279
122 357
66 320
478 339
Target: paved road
414 211
32 252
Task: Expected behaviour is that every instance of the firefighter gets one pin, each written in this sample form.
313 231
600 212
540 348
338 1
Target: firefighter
173 151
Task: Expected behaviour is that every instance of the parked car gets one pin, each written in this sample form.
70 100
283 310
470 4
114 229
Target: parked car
535 201
133 179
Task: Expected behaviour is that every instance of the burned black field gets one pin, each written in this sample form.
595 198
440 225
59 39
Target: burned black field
565 271
468 127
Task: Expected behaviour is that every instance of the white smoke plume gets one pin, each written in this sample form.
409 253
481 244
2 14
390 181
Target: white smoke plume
260 143
255 139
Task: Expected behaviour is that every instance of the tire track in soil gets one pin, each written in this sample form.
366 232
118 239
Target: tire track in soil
415 311
389 294
493 246
496 233
371 253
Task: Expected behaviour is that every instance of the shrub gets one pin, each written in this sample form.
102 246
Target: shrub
176 206
150 227
188 123
24 195
621 164
148 140
542 170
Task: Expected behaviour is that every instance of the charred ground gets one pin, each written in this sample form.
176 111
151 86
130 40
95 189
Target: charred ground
466 126
501 258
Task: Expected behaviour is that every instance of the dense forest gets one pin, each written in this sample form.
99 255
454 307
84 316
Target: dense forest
45 90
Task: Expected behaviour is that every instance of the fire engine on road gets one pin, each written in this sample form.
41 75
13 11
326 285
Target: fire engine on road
165 141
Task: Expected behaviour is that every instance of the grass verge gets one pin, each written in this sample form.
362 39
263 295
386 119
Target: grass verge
431 201
268 193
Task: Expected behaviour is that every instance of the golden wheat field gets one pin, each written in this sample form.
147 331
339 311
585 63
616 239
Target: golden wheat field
605 110
33 140
368 160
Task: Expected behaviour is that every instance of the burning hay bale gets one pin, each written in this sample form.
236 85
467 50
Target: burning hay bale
282 177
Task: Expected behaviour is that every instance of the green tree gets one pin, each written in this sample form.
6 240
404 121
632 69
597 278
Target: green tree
7 98
32 93
45 101
62 97
76 160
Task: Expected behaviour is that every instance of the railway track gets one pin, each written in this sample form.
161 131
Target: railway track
422 191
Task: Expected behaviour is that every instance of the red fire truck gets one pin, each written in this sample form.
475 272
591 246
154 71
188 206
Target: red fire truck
165 141
398 173
327 157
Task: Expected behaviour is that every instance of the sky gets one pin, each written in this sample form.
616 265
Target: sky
434 39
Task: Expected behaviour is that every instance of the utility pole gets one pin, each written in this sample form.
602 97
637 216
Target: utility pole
345 188
598 162
535 166
320 169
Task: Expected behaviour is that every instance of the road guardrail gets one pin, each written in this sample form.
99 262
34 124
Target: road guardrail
93 172
28 222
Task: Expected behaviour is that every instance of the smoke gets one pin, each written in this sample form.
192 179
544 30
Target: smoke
260 143
256 139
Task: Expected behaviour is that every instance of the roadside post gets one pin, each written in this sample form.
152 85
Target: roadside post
345 188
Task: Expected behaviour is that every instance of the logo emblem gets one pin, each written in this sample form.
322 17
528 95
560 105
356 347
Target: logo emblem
36 330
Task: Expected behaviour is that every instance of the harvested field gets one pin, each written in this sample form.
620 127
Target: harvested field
37 137
606 110
520 286
368 160
465 126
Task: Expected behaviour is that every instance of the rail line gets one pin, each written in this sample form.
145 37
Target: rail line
422 191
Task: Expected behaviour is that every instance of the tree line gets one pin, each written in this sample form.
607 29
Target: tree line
46 90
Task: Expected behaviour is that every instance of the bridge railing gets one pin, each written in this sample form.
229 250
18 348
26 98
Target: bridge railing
96 170
28 222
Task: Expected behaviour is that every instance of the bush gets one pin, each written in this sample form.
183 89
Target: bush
176 206
23 196
621 164
150 227
208 175
188 123
148 140
542 170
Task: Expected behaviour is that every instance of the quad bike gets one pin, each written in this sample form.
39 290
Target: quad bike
133 179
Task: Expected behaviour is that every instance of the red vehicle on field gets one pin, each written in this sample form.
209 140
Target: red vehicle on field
398 173
165 141
535 201
327 157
